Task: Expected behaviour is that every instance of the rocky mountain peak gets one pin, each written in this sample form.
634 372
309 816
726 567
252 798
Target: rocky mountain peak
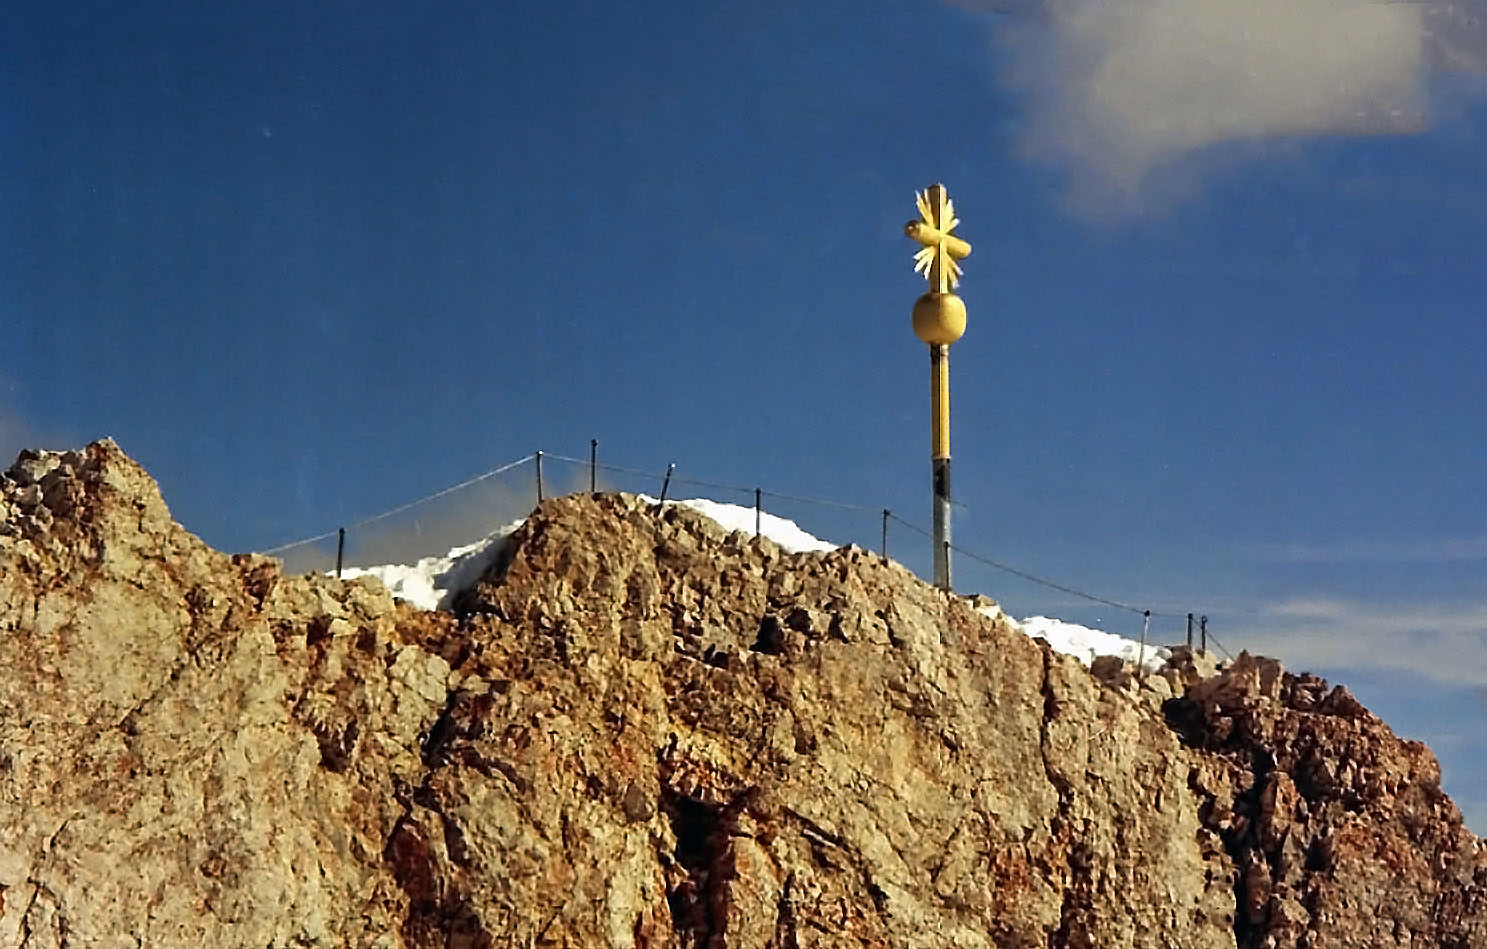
638 730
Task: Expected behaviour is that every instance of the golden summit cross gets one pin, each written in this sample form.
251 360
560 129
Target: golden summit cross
941 252
939 320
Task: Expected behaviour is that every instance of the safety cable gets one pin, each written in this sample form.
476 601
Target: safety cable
1041 581
677 479
401 508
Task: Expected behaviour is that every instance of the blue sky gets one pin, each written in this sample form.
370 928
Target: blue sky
306 262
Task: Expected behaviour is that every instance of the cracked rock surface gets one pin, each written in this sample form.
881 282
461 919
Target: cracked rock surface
640 731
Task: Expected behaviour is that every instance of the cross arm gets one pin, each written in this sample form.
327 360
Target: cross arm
931 237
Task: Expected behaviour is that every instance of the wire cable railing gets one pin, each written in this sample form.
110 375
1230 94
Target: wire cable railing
669 476
715 485
403 507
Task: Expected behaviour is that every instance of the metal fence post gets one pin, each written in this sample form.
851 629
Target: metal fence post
885 533
1141 654
1203 631
758 508
539 477
1190 633
340 549
666 482
593 466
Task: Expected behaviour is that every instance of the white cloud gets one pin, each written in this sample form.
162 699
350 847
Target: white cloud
1445 643
1118 90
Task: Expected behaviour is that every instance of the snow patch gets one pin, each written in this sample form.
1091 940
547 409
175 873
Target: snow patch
1085 644
733 517
433 582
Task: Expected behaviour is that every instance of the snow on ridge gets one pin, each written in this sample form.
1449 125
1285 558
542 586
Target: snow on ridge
734 517
1085 644
433 582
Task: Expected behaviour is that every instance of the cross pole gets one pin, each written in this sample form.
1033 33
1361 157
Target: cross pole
939 320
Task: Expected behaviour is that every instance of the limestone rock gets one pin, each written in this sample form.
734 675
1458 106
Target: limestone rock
194 749
638 730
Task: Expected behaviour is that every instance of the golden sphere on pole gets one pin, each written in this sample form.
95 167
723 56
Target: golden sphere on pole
939 318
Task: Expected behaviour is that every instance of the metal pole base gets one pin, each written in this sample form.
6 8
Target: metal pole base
941 474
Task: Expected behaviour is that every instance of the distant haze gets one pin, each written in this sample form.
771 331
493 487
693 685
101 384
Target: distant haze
1117 88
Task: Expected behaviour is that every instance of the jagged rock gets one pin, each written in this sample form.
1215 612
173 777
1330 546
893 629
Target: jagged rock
1111 670
1343 828
194 749
638 730
1157 686
1189 666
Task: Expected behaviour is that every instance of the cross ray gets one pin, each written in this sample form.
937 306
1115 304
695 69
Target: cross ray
923 259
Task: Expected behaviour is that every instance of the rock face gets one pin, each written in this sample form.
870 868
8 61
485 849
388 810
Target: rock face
638 731
1339 829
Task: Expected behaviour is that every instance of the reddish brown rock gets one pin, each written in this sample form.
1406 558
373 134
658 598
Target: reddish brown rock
1343 828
